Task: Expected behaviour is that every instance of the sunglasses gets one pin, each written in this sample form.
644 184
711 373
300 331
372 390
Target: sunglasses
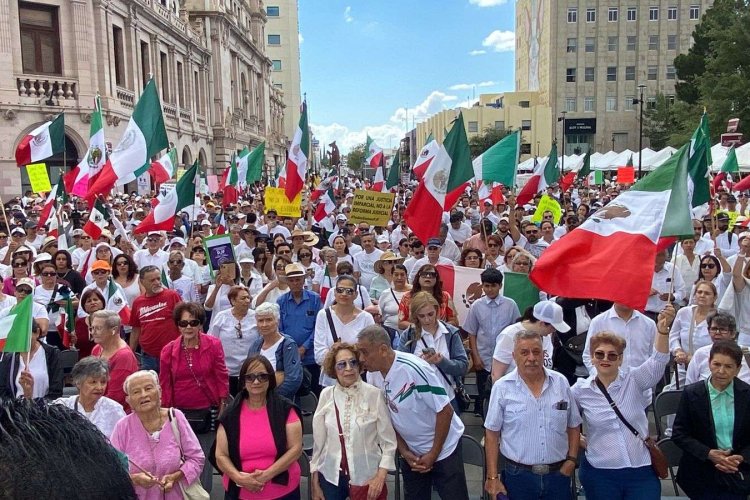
305 255
238 330
611 356
428 274
85 237
492 245
344 290
176 262
343 365
708 266
257 377
19 264
184 323
49 274
99 272
24 290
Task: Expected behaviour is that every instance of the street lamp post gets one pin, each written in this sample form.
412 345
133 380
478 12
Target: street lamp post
641 87
613 142
562 119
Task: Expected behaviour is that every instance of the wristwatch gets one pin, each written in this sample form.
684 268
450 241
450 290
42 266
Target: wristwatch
572 459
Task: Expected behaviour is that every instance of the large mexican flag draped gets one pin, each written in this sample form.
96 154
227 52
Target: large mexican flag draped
611 255
161 218
500 162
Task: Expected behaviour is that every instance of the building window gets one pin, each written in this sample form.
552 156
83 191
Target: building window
589 104
197 93
570 75
629 72
40 38
653 13
525 124
588 74
525 148
632 13
631 42
272 11
278 85
119 53
590 15
652 71
671 74
572 45
145 64
523 104
651 103
164 69
473 127
590 44
276 65
669 99
570 104
695 12
629 103
180 85
500 125
671 42
274 39
653 42
611 103
612 14
612 43
572 15
612 73
671 13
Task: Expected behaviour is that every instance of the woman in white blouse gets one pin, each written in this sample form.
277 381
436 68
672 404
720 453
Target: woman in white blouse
91 375
617 464
340 322
391 298
358 409
690 331
236 329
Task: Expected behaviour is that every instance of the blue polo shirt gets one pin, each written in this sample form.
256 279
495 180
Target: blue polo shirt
298 320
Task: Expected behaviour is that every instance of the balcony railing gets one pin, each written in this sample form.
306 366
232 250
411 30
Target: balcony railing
186 115
170 111
44 86
126 97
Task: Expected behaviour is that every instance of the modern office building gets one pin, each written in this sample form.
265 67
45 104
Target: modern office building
589 58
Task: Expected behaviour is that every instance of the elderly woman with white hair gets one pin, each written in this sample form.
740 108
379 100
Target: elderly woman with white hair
164 455
279 349
91 376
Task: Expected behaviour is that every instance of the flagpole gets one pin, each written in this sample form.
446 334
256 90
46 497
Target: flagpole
7 224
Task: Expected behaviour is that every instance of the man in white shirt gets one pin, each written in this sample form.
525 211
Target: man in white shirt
416 254
365 260
340 224
450 250
726 240
459 230
433 257
534 421
534 244
427 430
152 255
662 285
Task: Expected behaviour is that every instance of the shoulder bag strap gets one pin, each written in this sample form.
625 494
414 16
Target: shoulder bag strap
746 355
361 297
691 331
197 381
615 408
438 368
394 296
344 459
330 325
176 432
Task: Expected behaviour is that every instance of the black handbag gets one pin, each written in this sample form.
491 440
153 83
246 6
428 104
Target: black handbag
736 482
203 420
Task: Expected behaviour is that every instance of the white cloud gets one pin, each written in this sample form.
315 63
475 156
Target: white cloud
348 14
477 52
461 86
487 3
488 83
500 41
301 38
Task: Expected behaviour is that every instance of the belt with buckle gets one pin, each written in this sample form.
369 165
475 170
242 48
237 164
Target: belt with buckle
539 469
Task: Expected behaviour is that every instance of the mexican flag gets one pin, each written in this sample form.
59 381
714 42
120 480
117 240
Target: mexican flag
567 181
729 167
374 152
55 199
698 163
595 178
42 142
492 191
545 174
165 167
222 227
323 187
161 218
253 164
394 172
378 183
242 165
611 255
117 302
448 173
464 286
425 157
15 328
296 162
98 220
281 178
229 184
518 286
500 162
326 205
586 167
66 322
77 181
143 138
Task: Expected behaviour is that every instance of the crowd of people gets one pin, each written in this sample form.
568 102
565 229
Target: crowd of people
208 371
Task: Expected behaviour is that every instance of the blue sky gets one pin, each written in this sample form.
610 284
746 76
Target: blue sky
364 62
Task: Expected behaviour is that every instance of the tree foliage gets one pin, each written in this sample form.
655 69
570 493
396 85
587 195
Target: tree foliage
484 141
659 123
355 159
715 72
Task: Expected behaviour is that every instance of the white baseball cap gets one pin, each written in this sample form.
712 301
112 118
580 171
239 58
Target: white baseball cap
551 312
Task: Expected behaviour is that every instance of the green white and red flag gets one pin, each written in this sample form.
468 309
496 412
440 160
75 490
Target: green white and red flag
729 167
500 162
165 167
44 141
374 153
161 218
299 153
326 205
545 174
80 177
98 220
15 328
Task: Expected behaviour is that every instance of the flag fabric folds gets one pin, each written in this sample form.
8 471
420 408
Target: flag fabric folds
44 141
161 218
699 162
15 328
374 153
165 167
98 220
394 172
299 153
78 180
546 173
500 162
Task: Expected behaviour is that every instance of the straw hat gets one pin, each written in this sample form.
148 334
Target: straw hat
387 256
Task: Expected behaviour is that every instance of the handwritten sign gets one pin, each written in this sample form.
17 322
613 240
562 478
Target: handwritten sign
38 177
547 204
276 199
371 207
625 175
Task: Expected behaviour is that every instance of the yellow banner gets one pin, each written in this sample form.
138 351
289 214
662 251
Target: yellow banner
371 207
38 177
180 172
547 203
276 199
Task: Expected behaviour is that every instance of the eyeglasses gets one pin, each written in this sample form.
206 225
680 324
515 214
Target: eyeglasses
184 323
284 252
99 272
19 264
256 377
238 330
85 237
428 274
522 263
471 257
305 255
708 266
122 263
716 329
492 245
347 363
176 262
611 356
49 274
24 290
345 290
532 231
